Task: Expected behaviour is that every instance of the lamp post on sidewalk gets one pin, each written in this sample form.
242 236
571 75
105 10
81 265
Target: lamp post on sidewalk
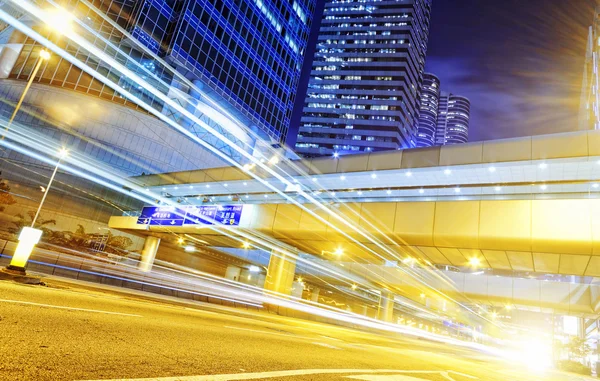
59 21
29 236
44 56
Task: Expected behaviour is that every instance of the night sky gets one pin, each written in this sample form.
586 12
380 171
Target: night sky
520 62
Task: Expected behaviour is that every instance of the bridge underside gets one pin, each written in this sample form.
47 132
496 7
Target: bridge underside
543 236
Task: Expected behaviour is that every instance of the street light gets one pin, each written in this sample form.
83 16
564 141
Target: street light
43 56
60 21
475 262
30 236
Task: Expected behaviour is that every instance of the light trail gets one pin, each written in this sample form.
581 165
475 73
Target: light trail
113 63
303 306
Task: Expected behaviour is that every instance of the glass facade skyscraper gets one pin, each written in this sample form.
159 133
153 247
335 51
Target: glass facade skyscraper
245 54
364 90
250 52
428 117
444 117
454 113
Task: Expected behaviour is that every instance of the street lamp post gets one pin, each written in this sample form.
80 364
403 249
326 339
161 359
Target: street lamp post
30 236
61 155
44 55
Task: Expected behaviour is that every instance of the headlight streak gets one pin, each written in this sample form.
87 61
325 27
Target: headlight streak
277 249
104 57
145 49
73 159
62 183
308 307
144 69
94 51
71 131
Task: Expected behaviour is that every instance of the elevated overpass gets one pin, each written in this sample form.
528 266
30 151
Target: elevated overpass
529 204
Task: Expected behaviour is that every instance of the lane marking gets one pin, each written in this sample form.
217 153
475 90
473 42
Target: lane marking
283 373
391 377
326 345
283 334
265 332
331 338
463 375
67 308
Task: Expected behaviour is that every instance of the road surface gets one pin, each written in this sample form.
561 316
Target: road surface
73 331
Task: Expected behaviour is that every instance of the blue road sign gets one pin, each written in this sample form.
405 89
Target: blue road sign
162 216
229 215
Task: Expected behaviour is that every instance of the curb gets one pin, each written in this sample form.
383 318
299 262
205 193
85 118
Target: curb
18 277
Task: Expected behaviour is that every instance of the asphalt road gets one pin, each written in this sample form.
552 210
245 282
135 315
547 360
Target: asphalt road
68 331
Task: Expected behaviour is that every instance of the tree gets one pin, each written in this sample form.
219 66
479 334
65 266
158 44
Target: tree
578 348
5 197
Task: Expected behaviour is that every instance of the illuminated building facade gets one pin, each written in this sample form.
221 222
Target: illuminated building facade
244 58
589 106
454 112
444 117
246 55
428 117
364 90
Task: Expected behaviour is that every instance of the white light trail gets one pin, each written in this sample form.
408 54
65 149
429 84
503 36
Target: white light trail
38 13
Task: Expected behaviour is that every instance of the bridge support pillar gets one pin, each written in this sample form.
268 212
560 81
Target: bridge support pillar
281 272
386 307
314 295
233 273
149 253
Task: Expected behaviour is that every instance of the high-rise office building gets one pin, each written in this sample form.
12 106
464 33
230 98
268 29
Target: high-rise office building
589 106
364 90
249 52
245 55
454 112
428 117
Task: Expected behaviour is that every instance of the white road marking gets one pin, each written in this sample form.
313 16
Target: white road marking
259 331
282 334
463 375
284 373
331 338
392 377
66 308
326 345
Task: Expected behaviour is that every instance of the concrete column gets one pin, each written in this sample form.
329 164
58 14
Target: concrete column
149 253
314 295
280 274
365 310
386 307
297 289
233 273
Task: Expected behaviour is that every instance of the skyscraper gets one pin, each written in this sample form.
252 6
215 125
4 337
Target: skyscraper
224 61
428 117
245 55
453 119
589 106
248 52
365 84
